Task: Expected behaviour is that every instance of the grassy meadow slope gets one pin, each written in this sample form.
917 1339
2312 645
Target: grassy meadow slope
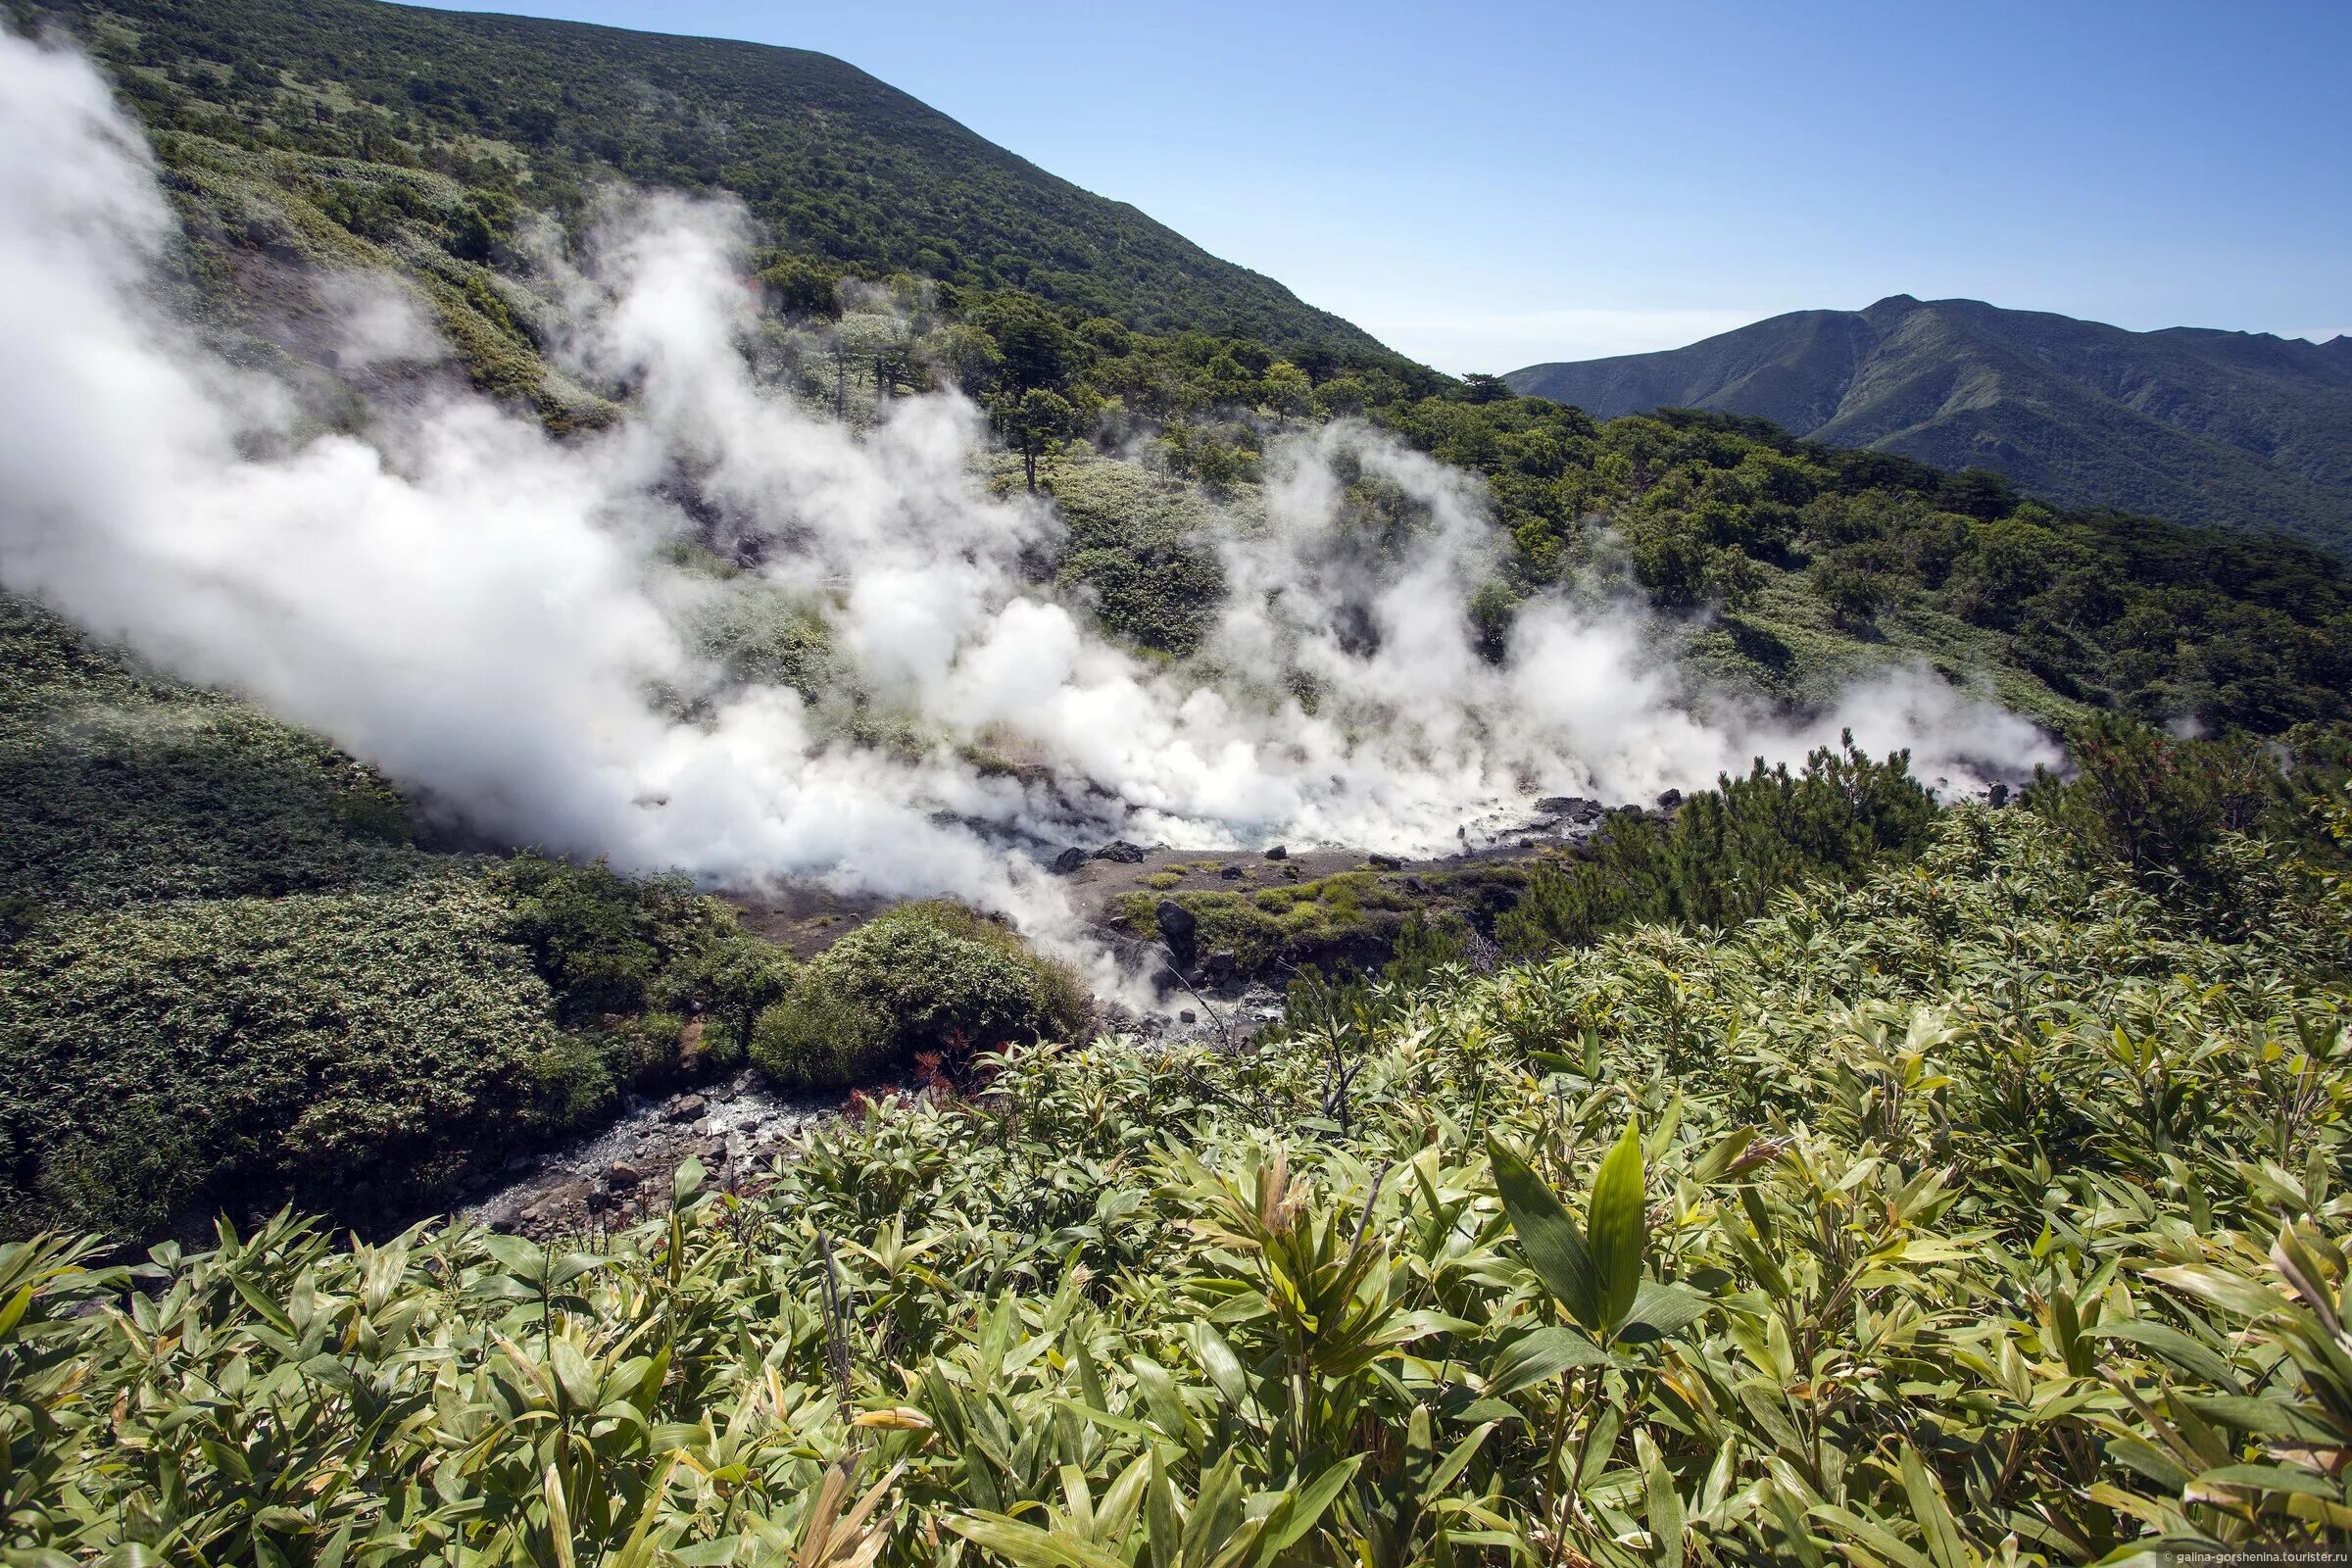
2227 429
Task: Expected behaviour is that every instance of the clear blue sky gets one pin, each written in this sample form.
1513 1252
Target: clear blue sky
1487 185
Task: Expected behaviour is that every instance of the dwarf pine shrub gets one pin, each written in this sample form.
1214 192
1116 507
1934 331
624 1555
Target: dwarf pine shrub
923 977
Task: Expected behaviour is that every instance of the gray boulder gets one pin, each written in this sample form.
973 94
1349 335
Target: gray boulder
1178 927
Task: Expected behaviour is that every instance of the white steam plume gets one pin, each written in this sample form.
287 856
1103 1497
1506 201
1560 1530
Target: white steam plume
482 610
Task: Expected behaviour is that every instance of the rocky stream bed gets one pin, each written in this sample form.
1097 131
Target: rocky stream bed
735 1127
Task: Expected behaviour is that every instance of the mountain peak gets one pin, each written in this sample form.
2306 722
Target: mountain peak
2225 428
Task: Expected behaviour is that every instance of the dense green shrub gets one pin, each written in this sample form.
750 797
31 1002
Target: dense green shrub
610 945
600 938
926 977
819 1038
190 1055
1722 855
1160 597
1346 917
2169 810
726 979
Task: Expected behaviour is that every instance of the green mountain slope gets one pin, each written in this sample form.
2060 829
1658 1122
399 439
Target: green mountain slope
2227 429
831 162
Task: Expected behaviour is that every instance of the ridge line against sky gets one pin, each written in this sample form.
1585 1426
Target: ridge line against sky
1495 185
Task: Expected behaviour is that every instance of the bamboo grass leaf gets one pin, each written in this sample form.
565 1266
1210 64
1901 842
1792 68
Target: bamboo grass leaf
1539 1356
1660 1311
1555 1247
1617 1227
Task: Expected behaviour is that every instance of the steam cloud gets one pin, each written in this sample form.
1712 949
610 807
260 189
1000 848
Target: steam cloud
484 610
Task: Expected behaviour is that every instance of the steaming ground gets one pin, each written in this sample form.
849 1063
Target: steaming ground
488 612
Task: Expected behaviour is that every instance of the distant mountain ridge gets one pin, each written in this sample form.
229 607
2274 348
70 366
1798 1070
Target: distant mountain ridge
2229 428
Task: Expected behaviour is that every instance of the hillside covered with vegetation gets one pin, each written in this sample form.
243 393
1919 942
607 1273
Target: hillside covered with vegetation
1798 567
376 113
301 145
232 972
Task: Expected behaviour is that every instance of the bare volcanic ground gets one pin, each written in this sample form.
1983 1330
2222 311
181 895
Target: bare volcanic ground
1226 919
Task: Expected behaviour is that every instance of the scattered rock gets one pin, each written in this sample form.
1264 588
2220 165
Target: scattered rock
1121 850
1575 809
1069 861
598 1199
1279 852
688 1107
622 1176
1383 863
1417 886
1187 1016
1231 873
1221 966
1670 800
